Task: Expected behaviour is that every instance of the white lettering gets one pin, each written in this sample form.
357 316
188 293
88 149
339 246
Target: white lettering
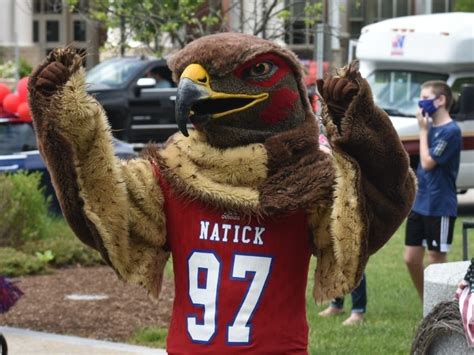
236 233
258 236
245 240
215 233
226 228
204 229
222 233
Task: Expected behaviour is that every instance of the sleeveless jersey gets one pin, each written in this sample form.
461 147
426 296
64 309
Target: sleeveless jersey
239 282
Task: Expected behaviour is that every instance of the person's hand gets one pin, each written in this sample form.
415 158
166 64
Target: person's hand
325 149
423 120
324 144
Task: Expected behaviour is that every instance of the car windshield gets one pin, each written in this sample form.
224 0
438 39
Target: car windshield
398 92
16 137
114 72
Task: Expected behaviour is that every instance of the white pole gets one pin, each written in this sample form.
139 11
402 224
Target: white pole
320 49
352 48
15 40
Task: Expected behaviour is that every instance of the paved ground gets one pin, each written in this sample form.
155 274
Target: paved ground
27 342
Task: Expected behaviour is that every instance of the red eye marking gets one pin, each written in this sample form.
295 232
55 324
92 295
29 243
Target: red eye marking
280 105
282 68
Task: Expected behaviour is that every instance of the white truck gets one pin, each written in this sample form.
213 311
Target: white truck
398 55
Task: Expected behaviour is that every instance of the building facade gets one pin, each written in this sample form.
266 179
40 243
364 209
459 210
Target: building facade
16 32
342 19
54 24
34 27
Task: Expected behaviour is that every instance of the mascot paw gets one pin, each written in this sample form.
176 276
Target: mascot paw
52 77
56 70
338 92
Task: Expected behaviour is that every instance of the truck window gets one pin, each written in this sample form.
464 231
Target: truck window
458 83
114 72
397 91
16 137
162 75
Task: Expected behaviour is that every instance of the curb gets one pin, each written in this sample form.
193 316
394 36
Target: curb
21 339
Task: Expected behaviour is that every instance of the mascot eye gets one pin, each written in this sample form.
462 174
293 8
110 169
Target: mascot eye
261 70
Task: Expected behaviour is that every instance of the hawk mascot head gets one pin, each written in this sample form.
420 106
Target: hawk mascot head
239 89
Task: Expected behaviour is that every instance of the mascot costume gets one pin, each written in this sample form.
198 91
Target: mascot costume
242 201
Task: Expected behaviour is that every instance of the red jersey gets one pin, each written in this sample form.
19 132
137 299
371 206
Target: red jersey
239 282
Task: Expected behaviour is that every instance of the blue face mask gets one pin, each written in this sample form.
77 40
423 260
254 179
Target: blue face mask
427 106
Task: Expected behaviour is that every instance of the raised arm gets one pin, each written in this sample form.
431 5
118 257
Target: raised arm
374 189
113 206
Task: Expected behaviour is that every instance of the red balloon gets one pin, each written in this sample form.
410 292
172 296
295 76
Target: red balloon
11 102
4 91
24 112
22 89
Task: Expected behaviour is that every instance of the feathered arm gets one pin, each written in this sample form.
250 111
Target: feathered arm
374 189
113 206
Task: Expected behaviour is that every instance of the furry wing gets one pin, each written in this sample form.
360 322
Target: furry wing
374 191
113 206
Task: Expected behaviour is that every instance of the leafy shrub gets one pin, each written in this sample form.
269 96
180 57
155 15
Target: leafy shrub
25 69
64 251
64 247
16 263
46 256
23 209
7 69
150 336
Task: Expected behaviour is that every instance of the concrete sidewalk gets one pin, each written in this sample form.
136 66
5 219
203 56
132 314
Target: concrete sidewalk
26 342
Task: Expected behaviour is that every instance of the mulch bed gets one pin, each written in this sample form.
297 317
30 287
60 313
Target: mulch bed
45 307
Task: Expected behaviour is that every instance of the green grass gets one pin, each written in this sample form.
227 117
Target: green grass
393 310
150 336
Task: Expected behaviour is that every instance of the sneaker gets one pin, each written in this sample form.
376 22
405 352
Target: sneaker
331 311
354 319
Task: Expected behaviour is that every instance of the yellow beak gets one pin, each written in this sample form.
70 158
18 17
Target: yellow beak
196 99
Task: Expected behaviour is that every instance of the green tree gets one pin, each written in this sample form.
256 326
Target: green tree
148 20
464 5
185 20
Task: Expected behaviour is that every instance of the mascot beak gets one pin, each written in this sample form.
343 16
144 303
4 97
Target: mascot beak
195 100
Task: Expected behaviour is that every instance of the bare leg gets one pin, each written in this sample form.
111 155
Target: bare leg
437 257
354 319
414 261
336 307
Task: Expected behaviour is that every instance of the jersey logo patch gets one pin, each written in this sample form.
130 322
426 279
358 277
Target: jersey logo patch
230 216
440 147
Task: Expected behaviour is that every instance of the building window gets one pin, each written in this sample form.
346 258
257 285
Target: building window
37 6
402 7
441 6
356 18
365 12
53 6
387 9
356 10
82 6
298 31
52 31
35 31
80 31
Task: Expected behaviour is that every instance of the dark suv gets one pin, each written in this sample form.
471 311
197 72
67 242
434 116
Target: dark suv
139 108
